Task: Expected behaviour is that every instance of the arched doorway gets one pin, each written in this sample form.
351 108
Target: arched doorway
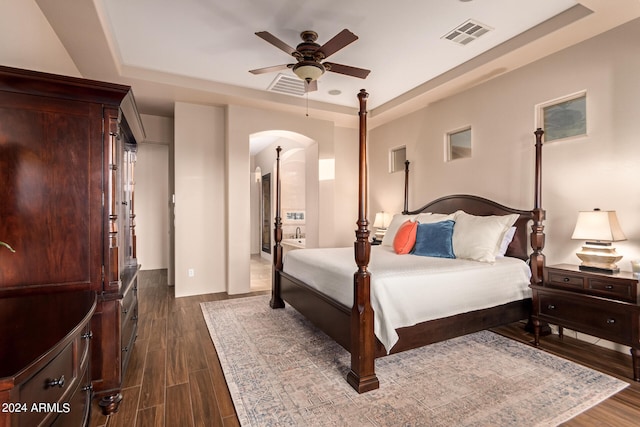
300 188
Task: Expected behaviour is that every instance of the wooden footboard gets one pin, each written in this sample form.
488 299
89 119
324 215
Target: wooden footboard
327 314
334 318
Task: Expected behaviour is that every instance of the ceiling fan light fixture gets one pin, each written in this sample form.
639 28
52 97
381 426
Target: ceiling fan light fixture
308 70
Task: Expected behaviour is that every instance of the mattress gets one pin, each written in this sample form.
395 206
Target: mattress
409 289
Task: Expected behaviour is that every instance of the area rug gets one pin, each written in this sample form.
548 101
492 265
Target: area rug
282 371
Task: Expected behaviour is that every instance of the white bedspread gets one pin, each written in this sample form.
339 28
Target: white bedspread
409 289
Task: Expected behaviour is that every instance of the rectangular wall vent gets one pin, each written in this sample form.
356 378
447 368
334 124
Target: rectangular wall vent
467 32
287 84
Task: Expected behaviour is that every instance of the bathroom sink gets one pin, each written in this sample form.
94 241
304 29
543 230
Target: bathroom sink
298 243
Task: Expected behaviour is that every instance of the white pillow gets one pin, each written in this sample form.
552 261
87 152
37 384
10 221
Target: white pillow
430 218
479 237
392 229
422 217
506 240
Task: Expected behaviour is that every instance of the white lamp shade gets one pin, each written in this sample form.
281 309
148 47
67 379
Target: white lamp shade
383 219
599 226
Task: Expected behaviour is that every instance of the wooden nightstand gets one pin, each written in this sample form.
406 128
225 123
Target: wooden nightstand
603 305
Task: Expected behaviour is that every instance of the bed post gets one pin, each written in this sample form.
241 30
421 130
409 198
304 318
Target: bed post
406 188
362 376
276 299
537 259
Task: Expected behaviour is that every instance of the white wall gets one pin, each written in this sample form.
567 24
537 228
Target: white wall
345 187
599 170
28 41
200 194
152 193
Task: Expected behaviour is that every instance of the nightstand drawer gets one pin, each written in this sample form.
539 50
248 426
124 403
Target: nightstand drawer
616 289
564 280
609 321
622 286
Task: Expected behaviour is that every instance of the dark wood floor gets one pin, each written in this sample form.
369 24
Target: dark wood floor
174 376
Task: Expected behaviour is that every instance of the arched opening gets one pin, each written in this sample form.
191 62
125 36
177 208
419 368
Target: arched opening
300 194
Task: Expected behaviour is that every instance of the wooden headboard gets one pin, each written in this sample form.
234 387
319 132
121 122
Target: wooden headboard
474 205
521 247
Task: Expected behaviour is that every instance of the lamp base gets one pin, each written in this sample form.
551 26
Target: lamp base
599 270
599 257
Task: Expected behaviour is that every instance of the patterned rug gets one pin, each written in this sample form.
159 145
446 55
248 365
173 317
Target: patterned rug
282 371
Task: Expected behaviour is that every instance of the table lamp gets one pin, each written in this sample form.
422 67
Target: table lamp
381 222
599 229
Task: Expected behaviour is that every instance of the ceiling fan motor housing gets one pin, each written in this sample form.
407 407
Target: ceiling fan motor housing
308 50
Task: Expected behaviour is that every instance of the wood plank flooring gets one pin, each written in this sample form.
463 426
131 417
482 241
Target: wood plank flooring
175 379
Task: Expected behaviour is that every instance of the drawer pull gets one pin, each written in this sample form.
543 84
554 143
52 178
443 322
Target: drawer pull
611 321
566 279
551 307
125 311
56 382
87 336
609 287
88 388
125 349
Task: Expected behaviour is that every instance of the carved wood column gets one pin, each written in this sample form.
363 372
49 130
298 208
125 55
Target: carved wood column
276 299
112 267
406 187
362 376
537 258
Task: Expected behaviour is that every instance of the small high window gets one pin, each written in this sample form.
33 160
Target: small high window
563 118
397 157
458 144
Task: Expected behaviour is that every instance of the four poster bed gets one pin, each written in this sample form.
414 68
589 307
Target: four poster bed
354 317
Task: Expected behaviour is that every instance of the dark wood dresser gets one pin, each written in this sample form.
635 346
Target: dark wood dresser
67 157
46 380
599 304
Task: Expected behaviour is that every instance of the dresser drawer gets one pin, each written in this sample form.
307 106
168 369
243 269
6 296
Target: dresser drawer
129 300
84 343
129 327
565 280
608 321
51 386
79 406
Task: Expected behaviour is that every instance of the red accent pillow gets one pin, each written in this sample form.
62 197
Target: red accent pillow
405 237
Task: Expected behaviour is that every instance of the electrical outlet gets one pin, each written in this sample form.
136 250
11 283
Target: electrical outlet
192 272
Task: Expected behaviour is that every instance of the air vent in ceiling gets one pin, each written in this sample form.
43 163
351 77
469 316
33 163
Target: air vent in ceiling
467 32
287 84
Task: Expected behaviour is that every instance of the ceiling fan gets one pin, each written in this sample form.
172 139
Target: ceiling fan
309 55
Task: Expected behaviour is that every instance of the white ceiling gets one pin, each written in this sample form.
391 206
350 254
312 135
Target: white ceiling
201 50
400 42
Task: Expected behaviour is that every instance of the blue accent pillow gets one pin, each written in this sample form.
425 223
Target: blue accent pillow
435 239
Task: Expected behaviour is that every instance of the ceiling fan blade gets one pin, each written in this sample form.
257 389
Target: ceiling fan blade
340 40
311 86
346 69
268 37
270 69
